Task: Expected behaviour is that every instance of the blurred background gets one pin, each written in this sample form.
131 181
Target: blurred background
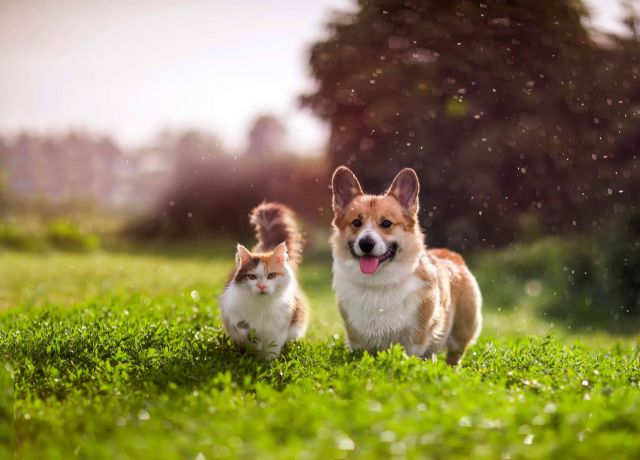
129 124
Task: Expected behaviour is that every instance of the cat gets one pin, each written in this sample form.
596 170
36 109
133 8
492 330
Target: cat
262 305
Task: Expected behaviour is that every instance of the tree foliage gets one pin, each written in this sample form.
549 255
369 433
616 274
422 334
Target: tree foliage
514 116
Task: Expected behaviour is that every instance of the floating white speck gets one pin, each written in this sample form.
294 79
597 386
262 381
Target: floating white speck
387 436
144 415
345 443
195 295
465 421
528 440
398 448
538 420
375 406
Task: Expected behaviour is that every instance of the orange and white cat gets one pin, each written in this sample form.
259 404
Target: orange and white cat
390 288
262 306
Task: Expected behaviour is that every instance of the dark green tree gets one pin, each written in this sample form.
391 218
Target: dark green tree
495 103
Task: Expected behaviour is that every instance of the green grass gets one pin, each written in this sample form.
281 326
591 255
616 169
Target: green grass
113 355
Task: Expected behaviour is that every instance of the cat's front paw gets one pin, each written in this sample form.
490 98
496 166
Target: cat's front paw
242 334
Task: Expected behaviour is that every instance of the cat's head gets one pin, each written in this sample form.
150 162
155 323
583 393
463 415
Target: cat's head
263 274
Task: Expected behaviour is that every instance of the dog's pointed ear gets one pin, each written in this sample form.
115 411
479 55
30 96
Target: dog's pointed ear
345 188
405 188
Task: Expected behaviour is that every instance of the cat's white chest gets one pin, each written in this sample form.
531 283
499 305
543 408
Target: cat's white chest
267 319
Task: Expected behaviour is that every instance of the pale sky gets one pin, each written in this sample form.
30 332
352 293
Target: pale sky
131 68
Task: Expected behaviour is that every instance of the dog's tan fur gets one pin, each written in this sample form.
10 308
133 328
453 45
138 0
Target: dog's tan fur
442 305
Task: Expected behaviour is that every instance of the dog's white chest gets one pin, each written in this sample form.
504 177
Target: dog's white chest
380 316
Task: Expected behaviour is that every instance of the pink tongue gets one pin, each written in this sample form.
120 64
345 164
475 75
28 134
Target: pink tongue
369 265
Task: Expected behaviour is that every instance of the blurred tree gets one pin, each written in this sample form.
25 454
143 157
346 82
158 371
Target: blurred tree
631 19
75 167
266 136
4 155
620 69
211 192
497 104
187 150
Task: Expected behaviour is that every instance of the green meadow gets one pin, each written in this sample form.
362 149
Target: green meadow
120 355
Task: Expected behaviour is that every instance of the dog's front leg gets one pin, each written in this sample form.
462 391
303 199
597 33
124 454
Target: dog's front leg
355 340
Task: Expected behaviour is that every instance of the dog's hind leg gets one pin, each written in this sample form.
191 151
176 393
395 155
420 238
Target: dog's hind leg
467 321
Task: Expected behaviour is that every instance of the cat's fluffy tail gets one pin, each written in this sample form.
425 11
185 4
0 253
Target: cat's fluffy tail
273 224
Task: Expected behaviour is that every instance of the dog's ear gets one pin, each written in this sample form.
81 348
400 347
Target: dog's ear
345 188
405 188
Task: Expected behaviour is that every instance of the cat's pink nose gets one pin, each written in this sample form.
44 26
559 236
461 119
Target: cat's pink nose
262 287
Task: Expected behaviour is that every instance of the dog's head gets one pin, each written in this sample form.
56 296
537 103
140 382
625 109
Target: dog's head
376 231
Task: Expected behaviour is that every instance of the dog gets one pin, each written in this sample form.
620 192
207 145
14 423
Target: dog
390 289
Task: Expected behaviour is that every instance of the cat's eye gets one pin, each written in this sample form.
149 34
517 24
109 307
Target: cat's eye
386 223
357 223
251 276
271 275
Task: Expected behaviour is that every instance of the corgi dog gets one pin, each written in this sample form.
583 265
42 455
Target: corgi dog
390 289
262 305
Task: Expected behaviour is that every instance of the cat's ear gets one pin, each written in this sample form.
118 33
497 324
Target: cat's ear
280 254
243 255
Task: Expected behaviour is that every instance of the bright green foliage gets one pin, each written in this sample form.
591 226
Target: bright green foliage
11 237
64 234
122 356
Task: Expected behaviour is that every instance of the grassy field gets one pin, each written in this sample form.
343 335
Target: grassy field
121 355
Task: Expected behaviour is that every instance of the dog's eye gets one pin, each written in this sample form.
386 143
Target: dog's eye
251 276
357 223
271 275
386 223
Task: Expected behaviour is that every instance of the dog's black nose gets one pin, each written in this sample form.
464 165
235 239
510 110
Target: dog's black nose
366 244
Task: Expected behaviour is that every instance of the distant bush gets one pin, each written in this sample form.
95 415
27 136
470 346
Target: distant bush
57 234
587 281
623 260
15 238
64 234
